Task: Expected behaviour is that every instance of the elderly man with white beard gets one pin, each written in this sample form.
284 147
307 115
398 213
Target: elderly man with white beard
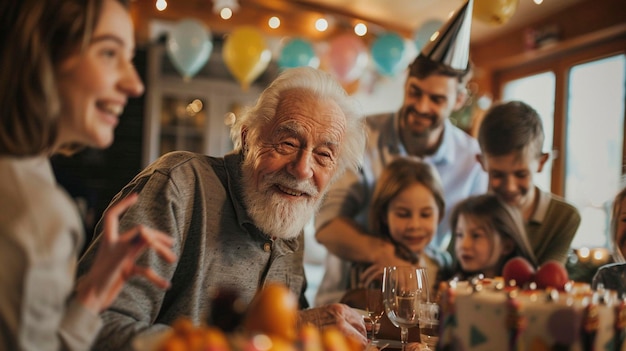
237 221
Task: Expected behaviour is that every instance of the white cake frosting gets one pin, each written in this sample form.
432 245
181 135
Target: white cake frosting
488 317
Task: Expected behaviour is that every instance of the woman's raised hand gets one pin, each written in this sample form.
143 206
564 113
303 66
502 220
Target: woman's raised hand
115 260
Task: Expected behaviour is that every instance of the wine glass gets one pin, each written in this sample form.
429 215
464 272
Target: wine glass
402 290
374 307
429 324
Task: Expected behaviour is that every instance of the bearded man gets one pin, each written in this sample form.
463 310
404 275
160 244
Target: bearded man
237 221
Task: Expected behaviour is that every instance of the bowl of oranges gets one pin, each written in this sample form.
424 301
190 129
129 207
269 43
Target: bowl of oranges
270 323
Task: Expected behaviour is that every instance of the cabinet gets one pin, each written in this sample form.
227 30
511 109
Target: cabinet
189 115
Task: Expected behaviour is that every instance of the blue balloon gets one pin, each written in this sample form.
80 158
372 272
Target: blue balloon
298 53
425 31
387 52
189 47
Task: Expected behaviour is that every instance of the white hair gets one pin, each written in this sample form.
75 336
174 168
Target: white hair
320 85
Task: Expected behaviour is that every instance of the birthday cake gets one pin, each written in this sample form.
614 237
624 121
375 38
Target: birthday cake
487 315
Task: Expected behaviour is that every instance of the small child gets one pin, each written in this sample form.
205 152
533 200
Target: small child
613 276
406 208
511 141
407 205
487 233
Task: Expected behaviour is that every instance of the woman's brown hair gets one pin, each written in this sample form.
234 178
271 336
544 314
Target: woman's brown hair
35 36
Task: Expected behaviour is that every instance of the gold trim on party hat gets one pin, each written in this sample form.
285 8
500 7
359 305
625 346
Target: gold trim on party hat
451 44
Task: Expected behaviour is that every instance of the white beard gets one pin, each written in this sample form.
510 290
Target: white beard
269 211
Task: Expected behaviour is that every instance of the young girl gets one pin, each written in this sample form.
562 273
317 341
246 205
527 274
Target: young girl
487 233
406 208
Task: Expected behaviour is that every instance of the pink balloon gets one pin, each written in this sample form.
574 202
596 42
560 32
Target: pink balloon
347 57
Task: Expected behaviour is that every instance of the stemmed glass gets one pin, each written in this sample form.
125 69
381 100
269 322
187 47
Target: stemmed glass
374 306
402 290
429 323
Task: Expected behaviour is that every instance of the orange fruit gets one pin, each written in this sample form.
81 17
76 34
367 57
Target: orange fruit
215 339
188 337
353 343
333 340
195 340
279 344
262 342
183 325
274 312
174 343
310 338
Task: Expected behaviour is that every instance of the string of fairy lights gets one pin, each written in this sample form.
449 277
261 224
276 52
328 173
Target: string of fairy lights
227 8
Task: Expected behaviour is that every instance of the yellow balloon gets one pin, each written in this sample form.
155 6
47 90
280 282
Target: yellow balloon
246 54
495 12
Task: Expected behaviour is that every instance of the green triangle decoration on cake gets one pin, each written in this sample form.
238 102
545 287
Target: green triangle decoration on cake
476 337
611 346
450 321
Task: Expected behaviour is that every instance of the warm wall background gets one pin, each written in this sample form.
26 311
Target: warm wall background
581 27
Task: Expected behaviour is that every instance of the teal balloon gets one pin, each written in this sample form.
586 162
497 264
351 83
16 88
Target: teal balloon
425 31
387 52
189 47
298 53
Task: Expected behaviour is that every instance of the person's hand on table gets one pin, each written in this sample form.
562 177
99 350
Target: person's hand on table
348 321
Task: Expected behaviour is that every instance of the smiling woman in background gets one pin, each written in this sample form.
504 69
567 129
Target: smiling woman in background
66 75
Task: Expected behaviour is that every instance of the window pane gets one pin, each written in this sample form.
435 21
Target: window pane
595 128
537 91
182 123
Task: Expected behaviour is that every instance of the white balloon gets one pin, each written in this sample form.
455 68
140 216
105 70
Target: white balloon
189 47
